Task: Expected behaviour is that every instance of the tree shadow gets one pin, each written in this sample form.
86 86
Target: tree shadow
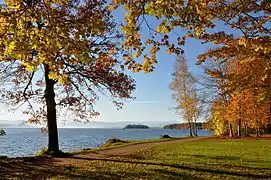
43 168
214 157
232 158
184 167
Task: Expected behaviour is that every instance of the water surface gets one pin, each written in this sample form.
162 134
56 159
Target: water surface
28 141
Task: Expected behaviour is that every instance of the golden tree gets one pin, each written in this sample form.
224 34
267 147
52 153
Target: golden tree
59 54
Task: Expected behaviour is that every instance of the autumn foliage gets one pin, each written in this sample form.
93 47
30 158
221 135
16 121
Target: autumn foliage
61 54
57 57
238 64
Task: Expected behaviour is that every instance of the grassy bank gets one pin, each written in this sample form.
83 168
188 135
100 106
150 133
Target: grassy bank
109 144
200 159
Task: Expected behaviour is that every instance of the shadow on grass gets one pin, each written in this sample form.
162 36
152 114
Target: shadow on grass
184 167
232 158
43 168
214 157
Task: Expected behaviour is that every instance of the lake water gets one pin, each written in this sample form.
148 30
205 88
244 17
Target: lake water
28 141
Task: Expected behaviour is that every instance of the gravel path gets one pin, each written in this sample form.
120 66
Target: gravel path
120 151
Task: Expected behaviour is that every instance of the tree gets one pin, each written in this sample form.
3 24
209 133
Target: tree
218 122
240 86
216 81
56 56
239 31
185 95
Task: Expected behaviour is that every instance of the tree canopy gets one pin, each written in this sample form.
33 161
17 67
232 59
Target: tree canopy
61 52
239 31
58 56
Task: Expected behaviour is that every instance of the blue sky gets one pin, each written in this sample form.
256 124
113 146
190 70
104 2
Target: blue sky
153 97
153 101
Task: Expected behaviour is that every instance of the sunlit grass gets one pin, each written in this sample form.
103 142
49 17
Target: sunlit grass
206 159
122 143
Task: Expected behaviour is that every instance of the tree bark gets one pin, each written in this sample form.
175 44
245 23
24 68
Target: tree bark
190 129
239 128
195 129
257 132
246 133
53 145
230 130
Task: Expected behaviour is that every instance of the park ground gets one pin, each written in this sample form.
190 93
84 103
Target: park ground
187 158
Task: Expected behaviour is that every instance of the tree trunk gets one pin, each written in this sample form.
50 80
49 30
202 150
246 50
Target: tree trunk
230 130
257 132
239 128
195 131
53 145
190 129
246 133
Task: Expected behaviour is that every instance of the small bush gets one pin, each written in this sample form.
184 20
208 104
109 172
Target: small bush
113 142
166 136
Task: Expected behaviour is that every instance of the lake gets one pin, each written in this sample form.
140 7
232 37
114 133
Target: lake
28 141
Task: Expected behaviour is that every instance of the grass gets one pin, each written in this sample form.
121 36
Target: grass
121 143
206 159
217 159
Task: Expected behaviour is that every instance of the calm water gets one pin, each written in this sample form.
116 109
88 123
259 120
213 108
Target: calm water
22 142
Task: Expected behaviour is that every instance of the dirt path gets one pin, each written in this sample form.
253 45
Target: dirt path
120 151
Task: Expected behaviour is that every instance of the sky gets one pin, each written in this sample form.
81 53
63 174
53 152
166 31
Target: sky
153 101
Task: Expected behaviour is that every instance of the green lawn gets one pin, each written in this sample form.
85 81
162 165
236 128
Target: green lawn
217 158
207 159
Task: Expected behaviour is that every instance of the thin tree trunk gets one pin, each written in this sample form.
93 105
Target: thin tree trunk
230 130
257 132
53 145
190 129
246 133
195 129
239 128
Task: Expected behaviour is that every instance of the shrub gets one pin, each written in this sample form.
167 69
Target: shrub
113 142
2 132
166 136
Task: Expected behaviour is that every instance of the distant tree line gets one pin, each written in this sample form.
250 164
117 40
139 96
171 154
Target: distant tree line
198 125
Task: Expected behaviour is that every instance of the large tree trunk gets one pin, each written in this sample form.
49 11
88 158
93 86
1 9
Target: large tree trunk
51 113
239 128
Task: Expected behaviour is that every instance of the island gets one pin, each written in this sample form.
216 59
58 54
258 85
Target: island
136 126
2 132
